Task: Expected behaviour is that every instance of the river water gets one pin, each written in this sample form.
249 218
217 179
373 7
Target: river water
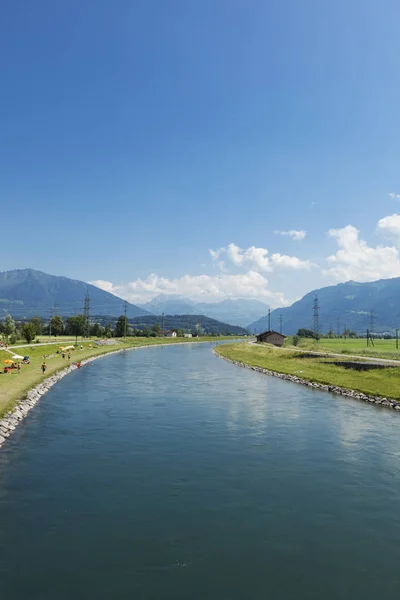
167 473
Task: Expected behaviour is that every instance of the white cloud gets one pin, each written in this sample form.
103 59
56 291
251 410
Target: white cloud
394 196
358 261
389 227
206 288
257 259
295 234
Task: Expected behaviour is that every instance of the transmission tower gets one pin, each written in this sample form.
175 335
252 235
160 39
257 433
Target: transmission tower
316 314
338 327
125 319
280 324
86 313
269 319
372 322
162 324
51 316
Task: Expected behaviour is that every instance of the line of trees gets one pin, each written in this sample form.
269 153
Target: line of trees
12 331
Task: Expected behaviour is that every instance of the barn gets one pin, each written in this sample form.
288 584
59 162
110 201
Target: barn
271 337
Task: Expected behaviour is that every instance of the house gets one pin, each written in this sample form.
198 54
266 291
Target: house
171 334
271 337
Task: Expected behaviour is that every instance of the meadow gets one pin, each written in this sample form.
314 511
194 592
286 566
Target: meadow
356 346
377 382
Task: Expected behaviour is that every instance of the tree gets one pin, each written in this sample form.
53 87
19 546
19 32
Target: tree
156 328
8 326
107 331
37 322
307 333
57 325
96 330
75 326
121 326
29 332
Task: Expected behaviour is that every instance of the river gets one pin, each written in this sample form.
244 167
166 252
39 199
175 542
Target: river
168 473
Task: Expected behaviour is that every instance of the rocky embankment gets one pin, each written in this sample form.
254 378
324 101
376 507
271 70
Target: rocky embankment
17 414
378 400
12 419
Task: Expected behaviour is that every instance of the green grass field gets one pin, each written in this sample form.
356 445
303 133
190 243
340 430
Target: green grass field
14 385
379 382
381 348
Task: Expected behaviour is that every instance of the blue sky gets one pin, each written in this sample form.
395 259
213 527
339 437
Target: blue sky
138 136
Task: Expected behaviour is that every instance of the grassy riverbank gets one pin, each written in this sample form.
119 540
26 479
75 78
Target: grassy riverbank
356 346
14 385
377 382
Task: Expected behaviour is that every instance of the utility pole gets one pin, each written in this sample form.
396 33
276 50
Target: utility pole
316 315
269 319
51 316
280 324
338 327
55 309
86 312
162 324
397 339
125 320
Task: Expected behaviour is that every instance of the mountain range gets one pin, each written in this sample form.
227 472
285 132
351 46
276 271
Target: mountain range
25 293
344 306
233 311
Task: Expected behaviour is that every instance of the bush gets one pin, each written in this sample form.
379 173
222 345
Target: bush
13 338
295 340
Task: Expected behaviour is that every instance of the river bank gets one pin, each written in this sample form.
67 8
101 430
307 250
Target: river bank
28 391
378 386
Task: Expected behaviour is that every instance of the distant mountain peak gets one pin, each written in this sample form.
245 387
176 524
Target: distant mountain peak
28 292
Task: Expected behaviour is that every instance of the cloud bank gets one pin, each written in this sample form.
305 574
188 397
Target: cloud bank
205 288
242 272
257 259
357 261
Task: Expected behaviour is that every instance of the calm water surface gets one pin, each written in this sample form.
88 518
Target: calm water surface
169 473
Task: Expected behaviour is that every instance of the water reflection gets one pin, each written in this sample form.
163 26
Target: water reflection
169 473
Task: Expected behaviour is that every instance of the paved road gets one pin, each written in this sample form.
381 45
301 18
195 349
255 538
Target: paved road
370 359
